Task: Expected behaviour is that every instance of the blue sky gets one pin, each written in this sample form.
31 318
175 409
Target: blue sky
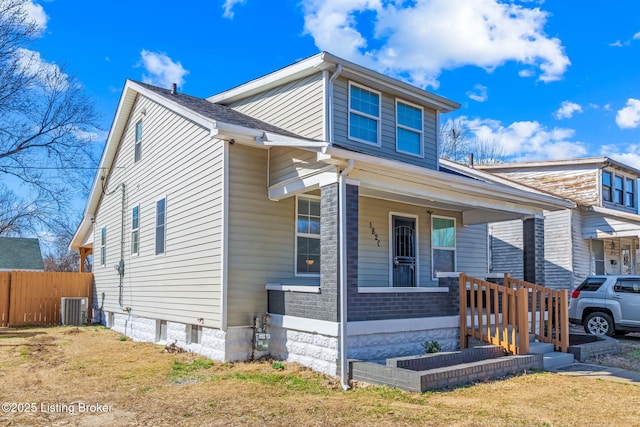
544 79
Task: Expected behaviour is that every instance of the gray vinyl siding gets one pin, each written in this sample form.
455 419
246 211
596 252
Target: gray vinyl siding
506 247
287 163
472 249
601 225
558 255
387 147
261 237
373 259
297 107
182 163
581 249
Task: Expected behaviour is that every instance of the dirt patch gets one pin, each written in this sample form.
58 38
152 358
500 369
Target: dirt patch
627 358
92 378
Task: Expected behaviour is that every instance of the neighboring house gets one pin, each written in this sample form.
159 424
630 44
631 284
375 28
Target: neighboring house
18 253
288 204
599 236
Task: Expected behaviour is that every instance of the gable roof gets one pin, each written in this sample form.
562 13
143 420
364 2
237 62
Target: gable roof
17 253
326 61
221 121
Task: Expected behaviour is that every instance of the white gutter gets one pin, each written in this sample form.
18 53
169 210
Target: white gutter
342 227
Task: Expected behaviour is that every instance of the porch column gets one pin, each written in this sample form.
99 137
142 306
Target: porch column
329 253
533 242
84 253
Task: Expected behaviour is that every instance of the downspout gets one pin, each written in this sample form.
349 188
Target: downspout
342 225
330 102
342 268
121 263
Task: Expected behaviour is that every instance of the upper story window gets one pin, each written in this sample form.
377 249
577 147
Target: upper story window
161 222
364 114
308 236
408 128
135 230
103 246
606 187
618 189
138 142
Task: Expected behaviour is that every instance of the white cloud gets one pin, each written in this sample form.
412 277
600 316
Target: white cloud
629 116
478 93
419 39
37 15
526 140
47 73
228 6
636 36
617 43
567 109
630 156
161 70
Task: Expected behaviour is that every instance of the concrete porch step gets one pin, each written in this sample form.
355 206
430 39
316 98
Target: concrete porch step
556 360
537 347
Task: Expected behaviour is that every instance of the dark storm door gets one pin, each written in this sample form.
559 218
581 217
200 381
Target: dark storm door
404 251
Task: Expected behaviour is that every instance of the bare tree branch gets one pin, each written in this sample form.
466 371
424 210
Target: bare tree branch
46 123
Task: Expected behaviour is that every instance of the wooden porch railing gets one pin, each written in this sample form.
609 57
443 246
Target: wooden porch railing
501 315
549 320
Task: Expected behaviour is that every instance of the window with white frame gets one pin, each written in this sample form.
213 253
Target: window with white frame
364 114
308 236
135 230
408 128
618 189
443 244
138 142
103 246
161 219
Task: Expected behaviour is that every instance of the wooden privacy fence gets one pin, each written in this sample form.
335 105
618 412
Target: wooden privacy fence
33 298
506 314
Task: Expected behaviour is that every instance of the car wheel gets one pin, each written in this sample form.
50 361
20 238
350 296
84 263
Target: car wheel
598 323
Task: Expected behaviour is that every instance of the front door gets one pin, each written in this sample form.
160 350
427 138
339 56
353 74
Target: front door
404 251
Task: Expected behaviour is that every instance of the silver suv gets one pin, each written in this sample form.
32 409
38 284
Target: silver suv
606 305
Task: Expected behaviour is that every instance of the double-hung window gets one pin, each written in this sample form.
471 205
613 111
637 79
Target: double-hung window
618 189
364 114
103 246
408 128
606 187
308 236
138 142
135 230
161 223
629 193
443 244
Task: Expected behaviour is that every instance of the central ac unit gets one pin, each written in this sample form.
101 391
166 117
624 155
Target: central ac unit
73 311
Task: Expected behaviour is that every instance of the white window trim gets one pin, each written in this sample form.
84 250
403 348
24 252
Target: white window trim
133 230
360 113
296 235
420 131
103 246
404 215
455 242
155 234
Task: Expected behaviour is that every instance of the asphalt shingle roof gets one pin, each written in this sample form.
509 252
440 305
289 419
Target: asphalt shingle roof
218 112
17 253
